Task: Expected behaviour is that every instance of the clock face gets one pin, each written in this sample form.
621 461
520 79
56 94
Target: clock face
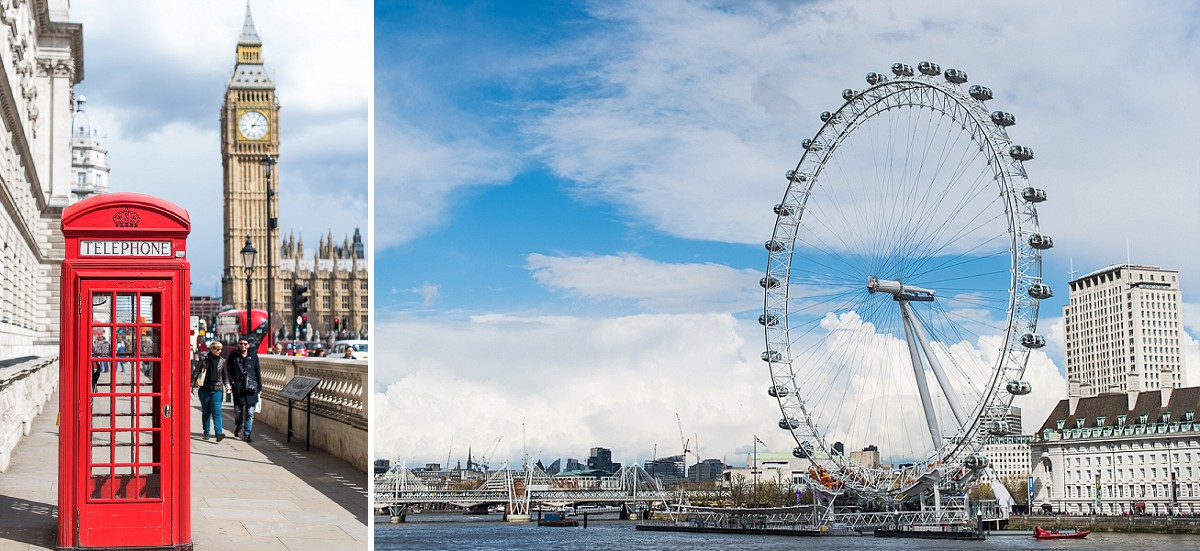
253 125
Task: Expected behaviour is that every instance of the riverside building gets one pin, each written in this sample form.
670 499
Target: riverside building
1120 452
1121 321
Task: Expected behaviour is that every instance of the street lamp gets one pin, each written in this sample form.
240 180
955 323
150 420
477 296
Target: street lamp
248 254
268 163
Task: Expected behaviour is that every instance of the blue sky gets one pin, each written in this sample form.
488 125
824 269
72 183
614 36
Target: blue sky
571 199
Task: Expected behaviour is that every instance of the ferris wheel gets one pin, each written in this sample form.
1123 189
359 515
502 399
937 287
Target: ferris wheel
902 285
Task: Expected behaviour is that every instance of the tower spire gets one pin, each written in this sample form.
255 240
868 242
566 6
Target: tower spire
249 35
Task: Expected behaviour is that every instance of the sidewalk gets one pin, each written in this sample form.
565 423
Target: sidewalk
268 495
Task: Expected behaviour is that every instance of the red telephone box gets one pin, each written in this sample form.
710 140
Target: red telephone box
124 463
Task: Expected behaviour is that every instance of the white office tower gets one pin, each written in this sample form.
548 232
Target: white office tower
1124 320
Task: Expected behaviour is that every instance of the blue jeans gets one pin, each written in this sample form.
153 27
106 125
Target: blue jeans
244 412
210 407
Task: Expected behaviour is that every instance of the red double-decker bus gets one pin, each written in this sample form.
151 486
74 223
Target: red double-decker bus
231 325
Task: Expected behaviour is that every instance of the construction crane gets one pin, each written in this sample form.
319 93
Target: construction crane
482 463
448 452
683 443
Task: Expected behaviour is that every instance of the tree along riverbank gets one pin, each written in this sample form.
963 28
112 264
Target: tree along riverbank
1131 524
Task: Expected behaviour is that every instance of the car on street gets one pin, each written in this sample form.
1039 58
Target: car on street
358 349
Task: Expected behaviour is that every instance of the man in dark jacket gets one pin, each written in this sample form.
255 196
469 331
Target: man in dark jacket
246 380
211 387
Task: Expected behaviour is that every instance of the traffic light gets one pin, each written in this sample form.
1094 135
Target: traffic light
299 298
337 324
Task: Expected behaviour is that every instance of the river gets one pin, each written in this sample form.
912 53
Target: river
489 532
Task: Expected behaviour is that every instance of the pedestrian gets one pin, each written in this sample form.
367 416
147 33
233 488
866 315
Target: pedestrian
319 352
246 377
210 377
348 353
277 349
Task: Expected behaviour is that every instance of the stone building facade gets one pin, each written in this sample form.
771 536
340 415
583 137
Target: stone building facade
41 60
1120 452
1121 321
336 276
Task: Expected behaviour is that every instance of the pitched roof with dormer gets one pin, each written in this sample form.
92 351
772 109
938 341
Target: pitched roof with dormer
1110 406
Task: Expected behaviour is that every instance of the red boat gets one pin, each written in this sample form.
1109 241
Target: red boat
1041 534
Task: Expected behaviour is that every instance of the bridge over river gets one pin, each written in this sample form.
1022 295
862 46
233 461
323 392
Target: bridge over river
631 488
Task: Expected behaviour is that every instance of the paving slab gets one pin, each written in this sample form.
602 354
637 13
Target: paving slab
268 494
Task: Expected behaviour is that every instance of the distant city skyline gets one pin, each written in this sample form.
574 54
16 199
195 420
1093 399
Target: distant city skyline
584 191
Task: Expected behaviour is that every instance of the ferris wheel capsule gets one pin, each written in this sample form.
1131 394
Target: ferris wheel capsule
775 246
1033 195
1040 291
848 94
769 282
1040 241
783 210
981 93
771 356
1004 118
794 176
768 320
929 68
1020 153
976 462
956 76
1031 340
778 391
1019 388
902 70
789 423
874 78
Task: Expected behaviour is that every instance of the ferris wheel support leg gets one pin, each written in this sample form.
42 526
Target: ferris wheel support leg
935 365
919 375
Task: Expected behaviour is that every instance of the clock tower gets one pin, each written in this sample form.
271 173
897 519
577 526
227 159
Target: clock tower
249 149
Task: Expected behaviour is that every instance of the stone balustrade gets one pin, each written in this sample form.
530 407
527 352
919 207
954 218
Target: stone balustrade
25 387
339 404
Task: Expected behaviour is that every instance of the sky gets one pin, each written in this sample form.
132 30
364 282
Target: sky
572 199
155 90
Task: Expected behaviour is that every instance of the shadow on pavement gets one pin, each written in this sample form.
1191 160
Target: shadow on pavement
28 522
329 475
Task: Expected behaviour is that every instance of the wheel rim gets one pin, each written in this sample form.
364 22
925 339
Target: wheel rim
913 182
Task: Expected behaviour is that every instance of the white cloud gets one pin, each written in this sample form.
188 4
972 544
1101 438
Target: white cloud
429 293
575 383
652 285
420 180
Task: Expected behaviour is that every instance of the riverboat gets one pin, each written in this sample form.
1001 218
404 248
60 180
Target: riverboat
1041 534
557 519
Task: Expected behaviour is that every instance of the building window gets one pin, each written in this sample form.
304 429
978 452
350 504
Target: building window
345 285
